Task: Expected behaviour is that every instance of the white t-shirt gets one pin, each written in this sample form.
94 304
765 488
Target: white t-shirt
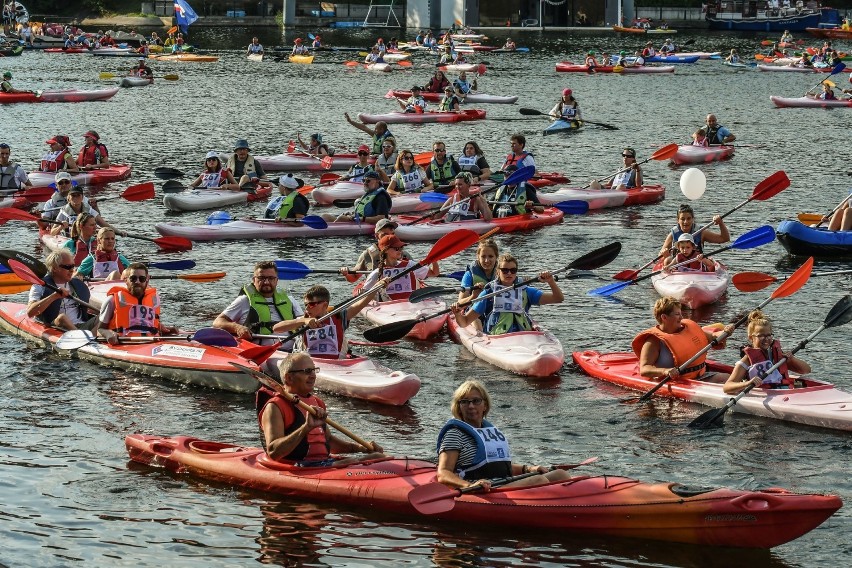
238 310
67 307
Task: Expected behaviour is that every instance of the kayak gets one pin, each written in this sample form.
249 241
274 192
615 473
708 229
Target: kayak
128 82
788 69
113 173
11 52
381 313
561 125
801 240
531 353
422 117
301 59
568 67
12 201
738 65
186 362
817 403
344 194
481 98
357 377
602 505
379 67
395 57
692 288
605 198
434 230
689 154
114 52
468 37
466 67
66 50
63 96
191 57
809 102
672 58
299 161
702 54
474 47
260 229
198 199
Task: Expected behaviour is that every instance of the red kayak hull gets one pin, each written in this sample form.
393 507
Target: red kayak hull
63 96
568 67
605 505
421 118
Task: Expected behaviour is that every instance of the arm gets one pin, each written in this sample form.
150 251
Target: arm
37 307
481 206
555 295
447 461
739 378
197 181
71 163
358 125
465 318
647 359
666 250
279 444
723 236
427 185
638 179
290 325
356 308
238 330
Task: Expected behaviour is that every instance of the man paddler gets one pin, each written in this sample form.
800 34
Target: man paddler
380 133
672 342
290 205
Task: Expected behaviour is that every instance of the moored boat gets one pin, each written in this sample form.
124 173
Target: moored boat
115 172
260 229
742 15
605 198
480 98
689 154
381 313
817 403
536 353
809 102
299 161
434 230
601 505
199 199
692 288
801 240
421 118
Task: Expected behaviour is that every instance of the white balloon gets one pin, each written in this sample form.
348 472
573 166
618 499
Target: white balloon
693 183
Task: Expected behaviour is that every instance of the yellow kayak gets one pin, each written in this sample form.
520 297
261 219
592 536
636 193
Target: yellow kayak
303 59
185 57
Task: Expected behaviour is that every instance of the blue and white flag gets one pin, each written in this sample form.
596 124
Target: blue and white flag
184 14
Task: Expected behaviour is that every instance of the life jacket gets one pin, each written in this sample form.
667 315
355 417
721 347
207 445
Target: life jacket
78 290
82 249
682 345
695 265
315 445
713 134
409 182
627 178
54 161
513 159
459 210
415 104
512 201
467 162
9 171
377 141
401 288
463 86
92 155
696 237
478 273
444 173
388 165
327 341
433 87
702 144
283 204
449 103
259 318
493 459
255 48
567 112
103 263
249 167
356 172
212 180
132 316
508 310
364 205
761 361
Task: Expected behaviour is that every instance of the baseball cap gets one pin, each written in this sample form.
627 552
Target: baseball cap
7 74
92 134
60 176
385 223
76 189
415 88
212 154
566 92
372 175
364 148
685 238
390 241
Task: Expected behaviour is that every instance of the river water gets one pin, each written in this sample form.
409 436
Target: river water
67 491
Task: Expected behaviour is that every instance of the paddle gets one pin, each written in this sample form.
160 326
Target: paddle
24 272
271 383
399 329
434 498
77 338
36 194
167 173
793 284
11 284
839 315
752 239
138 192
812 219
534 112
312 221
755 281
107 75
769 187
837 69
518 176
294 270
435 291
34 264
664 153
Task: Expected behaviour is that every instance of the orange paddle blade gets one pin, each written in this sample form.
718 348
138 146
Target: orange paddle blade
423 158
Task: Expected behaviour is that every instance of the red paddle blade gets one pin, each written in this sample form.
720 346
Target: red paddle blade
404 63
752 281
329 177
139 192
481 69
38 194
260 353
23 272
12 214
306 189
433 498
665 152
626 275
173 243
423 158
772 185
327 162
795 280
450 244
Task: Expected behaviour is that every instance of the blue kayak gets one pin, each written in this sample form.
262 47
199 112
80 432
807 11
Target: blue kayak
563 126
801 240
672 59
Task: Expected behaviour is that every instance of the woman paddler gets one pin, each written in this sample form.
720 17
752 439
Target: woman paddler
567 109
215 176
71 212
105 262
82 242
686 224
392 263
408 177
673 341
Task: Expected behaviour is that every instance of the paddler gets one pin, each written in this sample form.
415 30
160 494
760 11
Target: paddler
437 83
734 57
408 177
519 199
590 61
254 48
371 256
83 241
473 157
461 206
630 175
371 207
668 48
105 262
54 308
132 310
315 146
673 341
472 452
298 48
482 271
687 253
6 85
510 312
463 86
328 339
374 56
356 171
509 45
518 157
70 211
317 42
214 175
415 103
292 435
93 155
380 133
716 133
443 168
567 109
263 308
391 263
386 161
450 102
291 205
59 158
141 70
686 224
12 176
649 50
244 167
51 208
762 354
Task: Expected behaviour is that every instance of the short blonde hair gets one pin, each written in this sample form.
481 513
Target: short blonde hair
664 305
465 389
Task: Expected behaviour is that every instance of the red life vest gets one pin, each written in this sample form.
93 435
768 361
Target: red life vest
51 163
512 159
401 288
694 265
683 345
132 316
314 446
756 355
92 155
317 341
82 249
108 259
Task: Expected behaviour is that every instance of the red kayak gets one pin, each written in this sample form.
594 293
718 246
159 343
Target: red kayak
115 172
689 154
600 505
569 67
63 96
66 50
422 117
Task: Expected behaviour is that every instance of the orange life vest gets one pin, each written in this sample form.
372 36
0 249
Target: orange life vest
132 316
682 344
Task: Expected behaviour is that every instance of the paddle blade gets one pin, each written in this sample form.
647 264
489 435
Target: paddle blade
752 281
665 152
172 265
771 186
531 112
214 336
291 270
519 176
433 498
457 275
167 173
12 214
795 280
404 63
23 272
173 186
611 289
625 275
173 243
38 194
423 158
314 222
711 419
329 177
75 339
450 244
34 264
809 218
139 192
105 75
201 278
754 238
390 331
432 197
260 353
841 313
171 77
327 162
573 207
597 258
430 292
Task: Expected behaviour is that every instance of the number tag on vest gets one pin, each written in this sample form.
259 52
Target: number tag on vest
510 301
773 378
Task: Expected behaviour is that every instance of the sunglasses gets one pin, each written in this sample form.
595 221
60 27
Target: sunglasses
306 370
63 182
441 150
139 279
408 157
506 270
67 266
212 159
363 153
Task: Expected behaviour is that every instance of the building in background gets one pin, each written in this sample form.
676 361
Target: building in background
441 14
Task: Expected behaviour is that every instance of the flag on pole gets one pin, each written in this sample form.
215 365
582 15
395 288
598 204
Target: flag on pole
184 14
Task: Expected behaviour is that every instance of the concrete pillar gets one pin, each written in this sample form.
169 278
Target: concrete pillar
288 10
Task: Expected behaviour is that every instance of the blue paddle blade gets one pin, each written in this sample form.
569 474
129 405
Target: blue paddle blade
172 265
291 270
755 238
314 222
838 68
457 275
611 289
520 175
573 207
432 197
214 336
219 218
4 269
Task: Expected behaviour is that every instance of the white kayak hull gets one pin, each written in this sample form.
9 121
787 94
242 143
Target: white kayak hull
381 313
127 82
345 193
200 199
530 353
292 162
257 229
605 198
688 154
693 289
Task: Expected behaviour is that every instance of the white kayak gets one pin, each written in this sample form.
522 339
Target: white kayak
809 102
115 52
381 313
128 82
357 377
260 229
344 194
700 54
395 57
689 154
693 289
296 161
459 67
379 67
604 198
789 69
483 98
434 230
255 57
200 199
532 353
115 172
